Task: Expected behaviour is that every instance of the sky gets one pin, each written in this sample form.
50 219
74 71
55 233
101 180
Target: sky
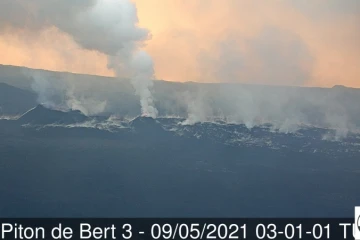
281 42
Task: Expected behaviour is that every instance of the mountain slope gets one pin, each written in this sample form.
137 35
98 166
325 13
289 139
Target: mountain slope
15 101
43 115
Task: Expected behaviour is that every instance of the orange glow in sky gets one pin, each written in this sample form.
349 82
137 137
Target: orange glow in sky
250 41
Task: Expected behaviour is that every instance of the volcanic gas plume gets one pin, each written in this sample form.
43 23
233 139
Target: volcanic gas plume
106 26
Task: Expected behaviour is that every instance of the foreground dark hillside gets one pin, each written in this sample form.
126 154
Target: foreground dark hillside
145 170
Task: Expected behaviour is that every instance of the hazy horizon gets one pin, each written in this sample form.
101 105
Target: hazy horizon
169 81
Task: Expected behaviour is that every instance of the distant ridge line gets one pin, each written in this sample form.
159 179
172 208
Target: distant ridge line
4 66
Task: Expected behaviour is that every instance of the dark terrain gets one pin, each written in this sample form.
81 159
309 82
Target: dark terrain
64 164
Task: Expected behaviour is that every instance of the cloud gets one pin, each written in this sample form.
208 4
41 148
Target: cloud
325 33
316 40
51 50
274 56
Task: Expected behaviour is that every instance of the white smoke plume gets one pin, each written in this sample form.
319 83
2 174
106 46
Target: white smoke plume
139 68
48 89
287 109
197 109
86 105
107 26
57 92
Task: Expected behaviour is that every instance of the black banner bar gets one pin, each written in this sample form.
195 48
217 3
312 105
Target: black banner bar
178 228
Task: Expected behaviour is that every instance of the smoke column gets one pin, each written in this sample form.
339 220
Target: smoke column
107 26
